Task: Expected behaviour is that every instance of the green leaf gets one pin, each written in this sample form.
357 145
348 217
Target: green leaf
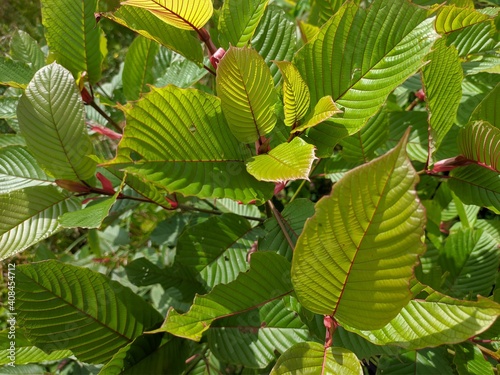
60 306
356 255
359 57
296 96
24 48
137 70
474 184
480 142
442 80
171 68
453 321
314 358
183 14
14 73
252 339
51 118
470 360
74 37
450 18
238 20
29 216
91 216
180 142
288 161
487 109
19 170
7 140
322 10
146 24
323 110
217 248
476 89
266 281
245 87
433 361
360 346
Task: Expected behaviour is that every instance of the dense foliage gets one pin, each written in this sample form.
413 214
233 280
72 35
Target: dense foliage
282 187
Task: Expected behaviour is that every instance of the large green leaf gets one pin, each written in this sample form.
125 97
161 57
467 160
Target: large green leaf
24 48
29 216
451 18
453 321
137 72
178 139
323 110
314 358
480 142
266 281
74 37
146 24
288 161
19 170
183 14
359 57
66 307
442 80
14 73
323 10
238 20
355 258
245 87
51 118
252 339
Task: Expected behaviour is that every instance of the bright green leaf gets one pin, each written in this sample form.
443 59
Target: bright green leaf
245 87
51 118
288 161
480 141
322 10
452 18
323 110
14 73
24 48
355 258
470 360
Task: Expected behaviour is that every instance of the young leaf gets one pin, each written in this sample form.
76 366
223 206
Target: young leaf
80 303
288 161
295 93
480 142
238 20
355 258
314 358
266 281
24 48
51 118
323 110
183 14
74 37
245 87
29 216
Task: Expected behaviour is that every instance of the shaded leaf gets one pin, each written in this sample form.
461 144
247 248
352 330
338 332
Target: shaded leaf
432 361
470 360
91 216
487 109
14 73
24 48
480 142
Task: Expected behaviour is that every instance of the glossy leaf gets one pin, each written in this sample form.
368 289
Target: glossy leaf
14 73
24 48
314 358
452 18
238 20
288 161
74 37
245 87
266 281
29 216
323 110
51 118
355 258
183 14
480 142
442 79
295 93
180 142
391 40
19 170
79 303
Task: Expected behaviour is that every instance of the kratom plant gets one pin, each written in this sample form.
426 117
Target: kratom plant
197 181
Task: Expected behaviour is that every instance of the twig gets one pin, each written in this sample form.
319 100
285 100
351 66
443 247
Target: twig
279 218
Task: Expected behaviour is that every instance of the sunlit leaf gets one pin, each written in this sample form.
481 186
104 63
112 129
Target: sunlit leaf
480 141
24 48
451 18
470 360
323 110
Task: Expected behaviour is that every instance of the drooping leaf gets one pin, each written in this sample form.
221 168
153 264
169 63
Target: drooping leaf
359 57
245 87
183 14
266 281
295 93
314 358
356 255
442 80
238 20
137 70
61 306
252 339
19 170
146 24
51 118
29 216
14 73
74 37
480 142
323 110
451 18
180 142
288 161
24 48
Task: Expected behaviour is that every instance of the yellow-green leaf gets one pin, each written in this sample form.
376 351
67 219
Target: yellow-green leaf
323 110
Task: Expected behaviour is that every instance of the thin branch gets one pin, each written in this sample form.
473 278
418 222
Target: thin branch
215 212
117 127
279 219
